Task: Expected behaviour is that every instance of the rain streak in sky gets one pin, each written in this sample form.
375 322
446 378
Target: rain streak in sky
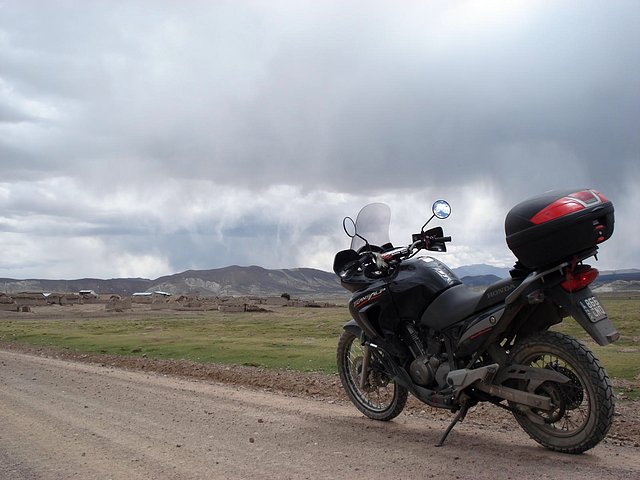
143 138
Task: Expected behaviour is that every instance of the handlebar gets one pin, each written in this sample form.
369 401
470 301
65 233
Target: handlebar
440 239
377 264
404 252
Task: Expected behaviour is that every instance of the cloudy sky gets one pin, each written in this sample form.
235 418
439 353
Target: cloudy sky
143 138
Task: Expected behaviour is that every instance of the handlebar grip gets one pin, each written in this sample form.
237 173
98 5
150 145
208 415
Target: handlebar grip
441 239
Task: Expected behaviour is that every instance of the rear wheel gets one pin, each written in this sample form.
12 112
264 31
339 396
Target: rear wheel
582 408
381 398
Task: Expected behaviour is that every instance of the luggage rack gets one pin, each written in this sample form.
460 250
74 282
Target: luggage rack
533 275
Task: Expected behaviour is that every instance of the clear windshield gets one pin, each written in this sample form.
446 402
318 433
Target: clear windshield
372 224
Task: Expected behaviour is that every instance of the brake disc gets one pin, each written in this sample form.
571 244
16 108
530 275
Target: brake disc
572 393
554 392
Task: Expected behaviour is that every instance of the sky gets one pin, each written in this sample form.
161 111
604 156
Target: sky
144 138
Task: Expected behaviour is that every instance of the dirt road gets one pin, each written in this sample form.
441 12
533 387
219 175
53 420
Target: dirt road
60 419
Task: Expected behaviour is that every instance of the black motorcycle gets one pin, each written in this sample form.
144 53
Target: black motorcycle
418 329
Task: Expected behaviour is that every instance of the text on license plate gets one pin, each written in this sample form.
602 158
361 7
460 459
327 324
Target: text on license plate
592 308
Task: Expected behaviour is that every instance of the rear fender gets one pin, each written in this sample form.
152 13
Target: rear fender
581 305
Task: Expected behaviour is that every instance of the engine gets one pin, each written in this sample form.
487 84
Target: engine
426 368
423 369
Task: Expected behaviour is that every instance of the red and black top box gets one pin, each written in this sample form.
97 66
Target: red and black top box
558 225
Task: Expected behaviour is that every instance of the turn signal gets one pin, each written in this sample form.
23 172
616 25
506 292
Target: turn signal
578 280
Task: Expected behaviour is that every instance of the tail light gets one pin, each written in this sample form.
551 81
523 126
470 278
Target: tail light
569 204
580 278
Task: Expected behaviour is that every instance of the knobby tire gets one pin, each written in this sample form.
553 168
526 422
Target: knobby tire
584 406
383 399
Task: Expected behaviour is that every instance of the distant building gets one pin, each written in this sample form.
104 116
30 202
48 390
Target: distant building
150 294
7 302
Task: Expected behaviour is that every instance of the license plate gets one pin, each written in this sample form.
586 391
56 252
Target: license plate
592 309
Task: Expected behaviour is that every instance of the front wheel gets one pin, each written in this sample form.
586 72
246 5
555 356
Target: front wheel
380 398
582 408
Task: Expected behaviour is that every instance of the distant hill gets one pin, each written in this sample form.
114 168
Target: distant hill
607 281
623 275
633 271
617 281
254 280
121 286
232 280
480 280
478 270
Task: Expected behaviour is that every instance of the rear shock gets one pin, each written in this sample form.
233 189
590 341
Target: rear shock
413 341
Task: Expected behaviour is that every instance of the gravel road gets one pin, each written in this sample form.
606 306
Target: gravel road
61 419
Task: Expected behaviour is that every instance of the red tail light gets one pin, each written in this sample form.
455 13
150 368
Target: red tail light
579 279
566 205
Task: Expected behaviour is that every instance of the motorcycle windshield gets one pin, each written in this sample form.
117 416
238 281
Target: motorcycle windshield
372 224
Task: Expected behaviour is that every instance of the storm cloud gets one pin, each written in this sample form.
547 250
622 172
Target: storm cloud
143 138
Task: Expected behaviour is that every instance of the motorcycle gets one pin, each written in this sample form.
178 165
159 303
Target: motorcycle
416 328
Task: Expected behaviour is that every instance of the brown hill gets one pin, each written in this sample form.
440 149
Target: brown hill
251 280
233 280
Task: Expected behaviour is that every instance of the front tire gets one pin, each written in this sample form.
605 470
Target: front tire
381 399
583 407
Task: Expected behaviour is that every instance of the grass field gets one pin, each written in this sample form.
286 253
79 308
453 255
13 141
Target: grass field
622 358
296 338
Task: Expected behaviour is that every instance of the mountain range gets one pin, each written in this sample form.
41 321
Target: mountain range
232 281
254 280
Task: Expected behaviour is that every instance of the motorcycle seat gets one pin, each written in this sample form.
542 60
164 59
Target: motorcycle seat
451 306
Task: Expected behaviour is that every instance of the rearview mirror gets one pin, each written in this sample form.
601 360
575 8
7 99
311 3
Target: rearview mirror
441 209
349 227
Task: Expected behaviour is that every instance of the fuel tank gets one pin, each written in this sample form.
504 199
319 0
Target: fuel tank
403 295
417 283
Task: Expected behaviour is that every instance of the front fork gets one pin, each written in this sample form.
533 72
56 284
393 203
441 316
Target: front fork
364 375
354 328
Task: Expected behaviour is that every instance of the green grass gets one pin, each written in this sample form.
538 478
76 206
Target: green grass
622 358
295 338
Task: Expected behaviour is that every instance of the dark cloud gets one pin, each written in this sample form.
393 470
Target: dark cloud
155 127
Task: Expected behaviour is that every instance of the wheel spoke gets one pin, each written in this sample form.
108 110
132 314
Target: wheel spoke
377 396
581 406
570 397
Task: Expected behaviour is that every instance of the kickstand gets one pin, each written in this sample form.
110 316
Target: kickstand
458 418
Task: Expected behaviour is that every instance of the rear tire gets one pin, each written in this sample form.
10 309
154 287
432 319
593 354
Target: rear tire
381 399
583 408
